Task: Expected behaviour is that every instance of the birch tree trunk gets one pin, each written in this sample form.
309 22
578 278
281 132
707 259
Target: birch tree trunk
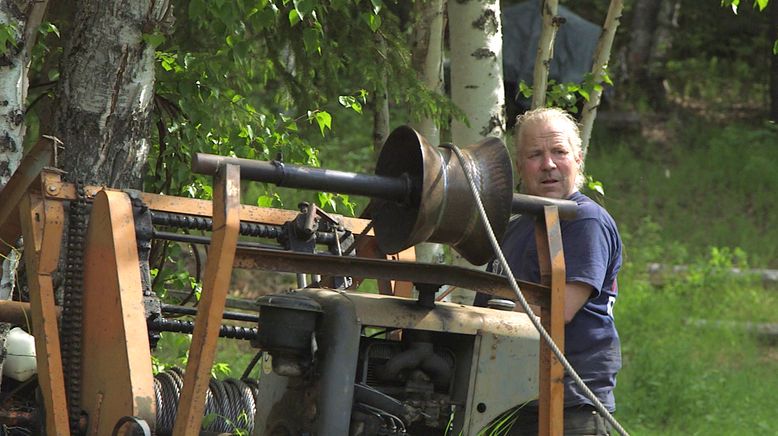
600 63
105 90
475 37
548 14
427 59
24 17
427 56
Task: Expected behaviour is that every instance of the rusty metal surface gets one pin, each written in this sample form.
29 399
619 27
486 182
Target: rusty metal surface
23 178
116 375
548 236
202 208
218 270
466 278
16 313
42 224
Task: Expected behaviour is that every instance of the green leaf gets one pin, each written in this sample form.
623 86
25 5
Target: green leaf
265 201
377 6
294 17
762 4
303 7
155 39
311 41
775 48
7 36
324 119
48 27
374 21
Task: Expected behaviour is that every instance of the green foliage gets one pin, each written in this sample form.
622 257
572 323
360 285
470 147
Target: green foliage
569 94
707 185
734 4
688 366
8 37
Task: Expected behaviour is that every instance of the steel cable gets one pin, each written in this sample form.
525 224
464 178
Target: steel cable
535 320
227 401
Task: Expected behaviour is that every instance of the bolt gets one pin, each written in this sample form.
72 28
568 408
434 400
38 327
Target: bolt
53 189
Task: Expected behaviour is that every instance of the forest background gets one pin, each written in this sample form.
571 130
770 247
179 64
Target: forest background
684 147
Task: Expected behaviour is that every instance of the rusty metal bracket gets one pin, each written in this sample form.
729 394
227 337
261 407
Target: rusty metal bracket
218 270
42 224
551 259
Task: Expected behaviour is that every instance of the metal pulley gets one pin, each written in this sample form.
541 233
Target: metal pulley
446 211
419 192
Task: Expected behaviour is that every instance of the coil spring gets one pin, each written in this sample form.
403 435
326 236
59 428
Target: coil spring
206 223
232 403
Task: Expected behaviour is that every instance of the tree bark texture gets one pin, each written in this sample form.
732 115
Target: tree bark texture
105 90
427 56
600 62
427 59
24 17
548 15
476 69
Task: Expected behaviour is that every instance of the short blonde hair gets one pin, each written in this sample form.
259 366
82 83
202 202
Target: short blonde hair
546 114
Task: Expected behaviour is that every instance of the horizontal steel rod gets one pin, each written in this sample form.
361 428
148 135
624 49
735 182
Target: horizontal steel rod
186 310
531 204
318 179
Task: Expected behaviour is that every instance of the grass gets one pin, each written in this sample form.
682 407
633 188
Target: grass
706 185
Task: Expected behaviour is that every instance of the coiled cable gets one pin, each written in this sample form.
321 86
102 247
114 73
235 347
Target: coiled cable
231 403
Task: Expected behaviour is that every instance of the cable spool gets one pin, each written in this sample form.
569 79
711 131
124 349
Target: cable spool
418 192
232 402
442 210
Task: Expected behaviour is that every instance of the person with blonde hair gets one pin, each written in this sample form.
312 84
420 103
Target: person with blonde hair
549 163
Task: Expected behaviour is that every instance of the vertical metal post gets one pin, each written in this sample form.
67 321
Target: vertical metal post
42 223
116 374
551 260
216 280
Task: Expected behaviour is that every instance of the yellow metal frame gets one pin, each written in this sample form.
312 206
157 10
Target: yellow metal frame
33 207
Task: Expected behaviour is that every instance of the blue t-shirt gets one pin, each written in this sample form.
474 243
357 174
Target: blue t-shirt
592 249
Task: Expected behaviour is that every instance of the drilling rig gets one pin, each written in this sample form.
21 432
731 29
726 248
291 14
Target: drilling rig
332 360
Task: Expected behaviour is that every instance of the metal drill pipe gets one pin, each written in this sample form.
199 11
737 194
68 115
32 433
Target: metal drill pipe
396 189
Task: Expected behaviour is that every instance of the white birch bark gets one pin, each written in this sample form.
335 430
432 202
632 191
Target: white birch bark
475 36
599 64
427 59
548 15
23 17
